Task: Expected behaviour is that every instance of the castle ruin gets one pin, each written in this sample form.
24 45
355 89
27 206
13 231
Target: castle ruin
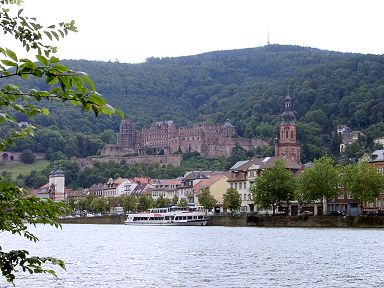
164 138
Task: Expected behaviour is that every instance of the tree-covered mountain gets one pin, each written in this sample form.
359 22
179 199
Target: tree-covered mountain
245 87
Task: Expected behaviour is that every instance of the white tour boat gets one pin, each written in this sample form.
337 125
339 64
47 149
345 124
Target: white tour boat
169 216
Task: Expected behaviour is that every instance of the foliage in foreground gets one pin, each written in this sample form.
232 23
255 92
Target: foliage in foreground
66 86
16 211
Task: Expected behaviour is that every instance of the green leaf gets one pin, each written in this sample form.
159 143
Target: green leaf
89 82
66 82
78 82
42 60
9 63
54 59
52 80
120 113
48 34
97 100
45 111
11 54
60 68
107 109
55 35
75 103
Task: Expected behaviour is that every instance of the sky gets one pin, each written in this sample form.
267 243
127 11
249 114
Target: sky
132 30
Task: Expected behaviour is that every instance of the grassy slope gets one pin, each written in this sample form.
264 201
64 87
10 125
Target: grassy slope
17 168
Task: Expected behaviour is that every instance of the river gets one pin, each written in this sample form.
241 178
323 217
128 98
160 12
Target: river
127 256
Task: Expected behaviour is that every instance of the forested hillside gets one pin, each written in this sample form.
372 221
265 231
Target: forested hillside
246 87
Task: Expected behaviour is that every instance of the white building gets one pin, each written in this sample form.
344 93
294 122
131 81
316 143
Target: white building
55 188
118 187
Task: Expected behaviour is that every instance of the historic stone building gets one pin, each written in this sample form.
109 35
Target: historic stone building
164 138
286 145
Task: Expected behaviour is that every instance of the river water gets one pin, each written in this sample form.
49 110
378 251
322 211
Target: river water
125 256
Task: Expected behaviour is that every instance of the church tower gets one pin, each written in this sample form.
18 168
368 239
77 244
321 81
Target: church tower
286 144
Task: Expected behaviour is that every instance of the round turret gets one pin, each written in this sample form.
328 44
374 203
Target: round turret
59 173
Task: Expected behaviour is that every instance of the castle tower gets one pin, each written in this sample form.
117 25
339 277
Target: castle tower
286 144
127 134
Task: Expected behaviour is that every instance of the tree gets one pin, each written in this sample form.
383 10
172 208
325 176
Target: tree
183 202
144 203
84 203
363 181
35 180
129 203
275 186
68 86
113 202
99 204
319 181
231 199
175 199
27 156
162 202
207 200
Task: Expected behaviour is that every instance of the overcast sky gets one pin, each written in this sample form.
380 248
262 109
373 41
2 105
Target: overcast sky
132 30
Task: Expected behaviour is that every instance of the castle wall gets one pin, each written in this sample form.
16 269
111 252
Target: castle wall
173 160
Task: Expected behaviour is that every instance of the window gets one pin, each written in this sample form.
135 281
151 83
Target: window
340 195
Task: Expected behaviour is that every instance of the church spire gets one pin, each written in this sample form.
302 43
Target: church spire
288 117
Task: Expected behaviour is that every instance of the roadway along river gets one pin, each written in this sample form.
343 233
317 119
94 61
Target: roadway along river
125 256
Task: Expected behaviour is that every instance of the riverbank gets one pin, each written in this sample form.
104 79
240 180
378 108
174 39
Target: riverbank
259 221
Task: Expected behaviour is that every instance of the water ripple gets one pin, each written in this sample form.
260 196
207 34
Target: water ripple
228 257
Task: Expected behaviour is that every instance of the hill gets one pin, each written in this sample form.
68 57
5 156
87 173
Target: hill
245 87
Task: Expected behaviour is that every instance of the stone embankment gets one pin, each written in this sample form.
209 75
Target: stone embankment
260 221
297 221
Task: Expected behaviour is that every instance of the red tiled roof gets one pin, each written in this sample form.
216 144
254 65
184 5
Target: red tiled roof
142 180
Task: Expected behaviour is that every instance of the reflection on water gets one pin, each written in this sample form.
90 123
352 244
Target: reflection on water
125 256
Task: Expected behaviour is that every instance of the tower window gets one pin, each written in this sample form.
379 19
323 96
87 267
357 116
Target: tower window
286 134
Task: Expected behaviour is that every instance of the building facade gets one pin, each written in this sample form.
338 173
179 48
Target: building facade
244 174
